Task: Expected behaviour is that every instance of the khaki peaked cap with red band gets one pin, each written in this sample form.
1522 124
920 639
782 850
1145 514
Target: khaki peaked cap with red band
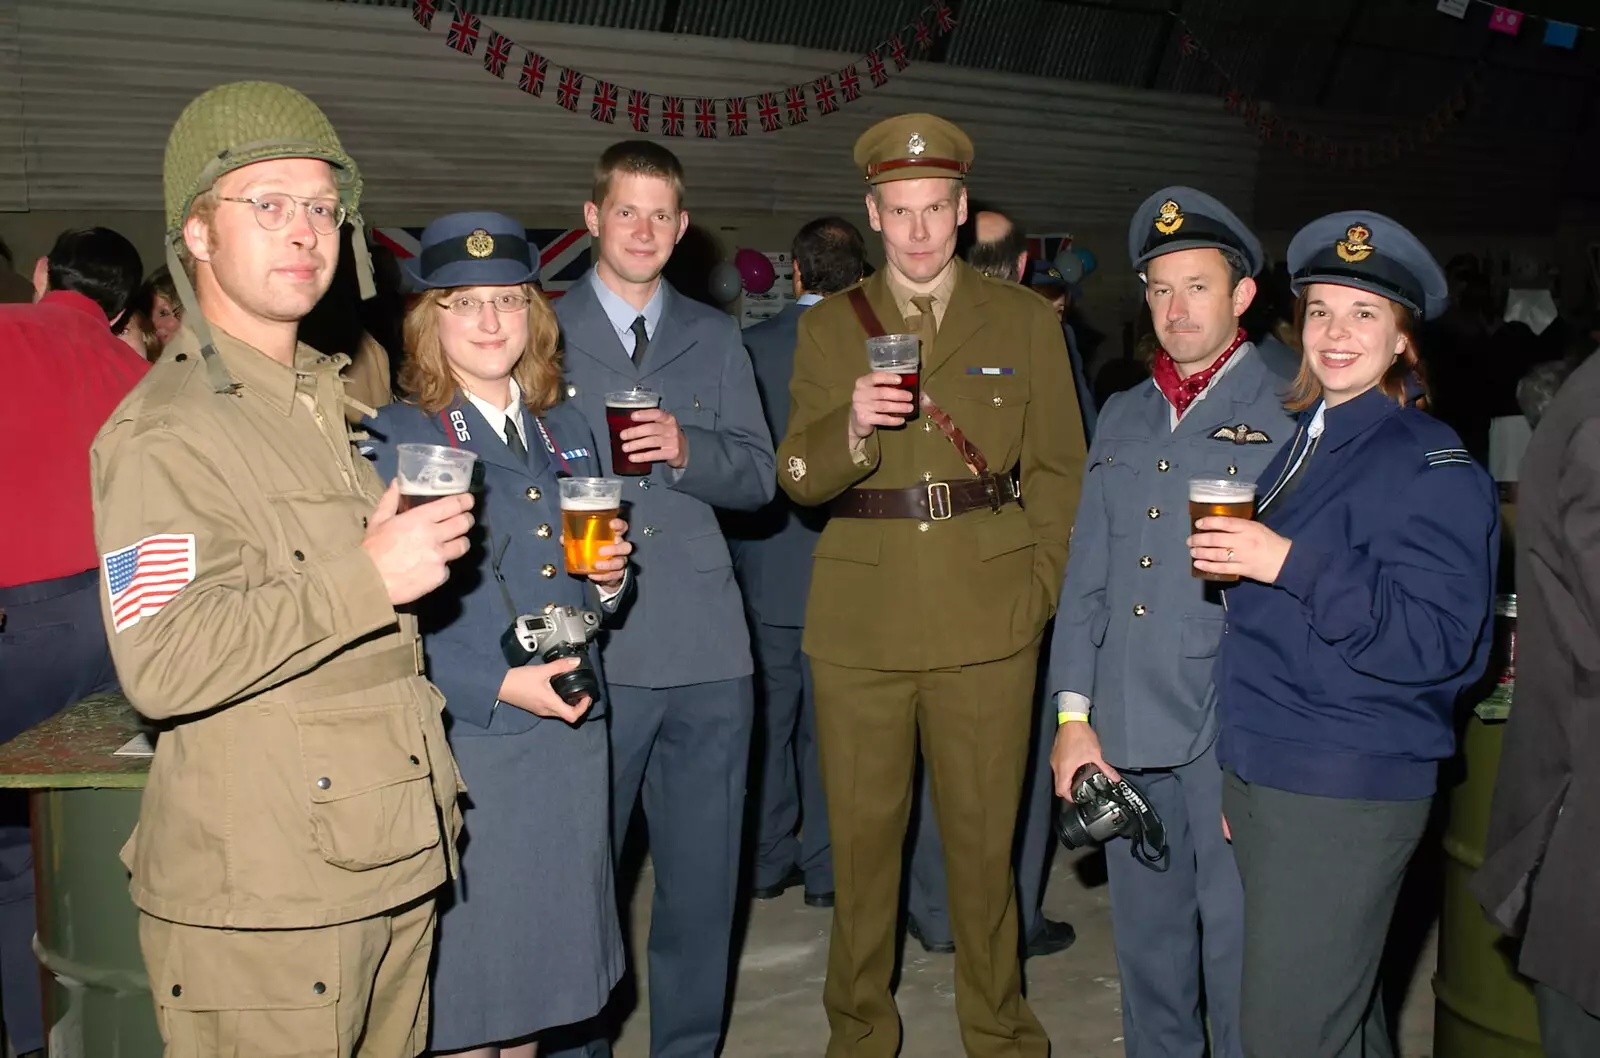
913 147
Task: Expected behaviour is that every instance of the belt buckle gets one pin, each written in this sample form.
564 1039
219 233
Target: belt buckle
933 505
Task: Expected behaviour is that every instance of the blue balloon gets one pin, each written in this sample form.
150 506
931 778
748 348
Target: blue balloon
1090 262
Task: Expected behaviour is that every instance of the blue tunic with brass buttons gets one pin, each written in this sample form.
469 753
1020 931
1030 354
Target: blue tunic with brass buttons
528 936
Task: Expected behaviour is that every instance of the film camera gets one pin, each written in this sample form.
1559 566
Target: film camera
559 632
1101 810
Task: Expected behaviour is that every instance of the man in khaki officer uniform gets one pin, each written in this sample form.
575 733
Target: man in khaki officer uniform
932 582
301 806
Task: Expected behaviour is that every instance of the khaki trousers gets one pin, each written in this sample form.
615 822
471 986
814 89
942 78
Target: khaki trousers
974 723
354 990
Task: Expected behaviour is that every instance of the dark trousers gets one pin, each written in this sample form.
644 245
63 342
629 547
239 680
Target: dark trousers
1174 928
786 757
1566 1030
52 652
683 753
928 895
1321 876
972 725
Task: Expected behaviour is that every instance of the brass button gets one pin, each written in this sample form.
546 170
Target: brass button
999 401
572 391
927 475
697 404
644 483
1163 466
1138 611
927 427
533 493
1108 460
1233 471
1145 562
1153 513
651 530
324 782
319 988
543 532
547 571
923 527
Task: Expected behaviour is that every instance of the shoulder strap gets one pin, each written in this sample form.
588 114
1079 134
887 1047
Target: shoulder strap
864 313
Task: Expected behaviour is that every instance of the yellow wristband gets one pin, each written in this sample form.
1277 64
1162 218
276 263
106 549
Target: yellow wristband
1071 718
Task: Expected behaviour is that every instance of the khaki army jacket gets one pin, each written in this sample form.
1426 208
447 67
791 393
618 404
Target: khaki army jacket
302 776
898 594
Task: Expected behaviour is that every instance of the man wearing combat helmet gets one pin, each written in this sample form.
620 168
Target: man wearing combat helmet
932 582
301 805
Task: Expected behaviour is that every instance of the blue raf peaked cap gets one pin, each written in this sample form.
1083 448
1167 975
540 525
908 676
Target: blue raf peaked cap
473 250
1181 218
1370 252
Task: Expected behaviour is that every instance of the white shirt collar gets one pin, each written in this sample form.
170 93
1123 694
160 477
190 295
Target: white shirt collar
621 314
496 417
808 298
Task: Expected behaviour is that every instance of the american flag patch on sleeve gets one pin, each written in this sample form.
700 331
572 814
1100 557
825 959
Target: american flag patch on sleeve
144 577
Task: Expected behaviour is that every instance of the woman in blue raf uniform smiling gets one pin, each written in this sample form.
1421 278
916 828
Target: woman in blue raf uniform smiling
528 938
1363 611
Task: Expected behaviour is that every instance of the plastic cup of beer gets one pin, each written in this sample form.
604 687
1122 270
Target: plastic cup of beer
587 507
899 354
619 416
1219 497
431 472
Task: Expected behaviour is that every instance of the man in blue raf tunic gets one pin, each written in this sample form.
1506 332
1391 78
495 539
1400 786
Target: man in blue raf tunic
1135 634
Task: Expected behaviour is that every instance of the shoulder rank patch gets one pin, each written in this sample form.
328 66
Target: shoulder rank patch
1241 435
1446 456
797 467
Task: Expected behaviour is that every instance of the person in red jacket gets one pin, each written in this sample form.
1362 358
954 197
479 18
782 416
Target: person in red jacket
63 371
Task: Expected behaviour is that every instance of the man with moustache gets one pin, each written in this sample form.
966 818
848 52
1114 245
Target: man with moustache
932 582
679 666
1135 634
301 806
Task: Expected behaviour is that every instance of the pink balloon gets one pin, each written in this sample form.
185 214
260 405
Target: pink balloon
755 270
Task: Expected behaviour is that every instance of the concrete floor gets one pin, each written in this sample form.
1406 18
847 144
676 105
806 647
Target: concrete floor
778 1004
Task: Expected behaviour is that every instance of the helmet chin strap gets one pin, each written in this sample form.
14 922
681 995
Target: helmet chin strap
216 370
358 246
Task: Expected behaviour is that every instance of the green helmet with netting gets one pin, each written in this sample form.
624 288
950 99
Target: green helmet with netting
234 125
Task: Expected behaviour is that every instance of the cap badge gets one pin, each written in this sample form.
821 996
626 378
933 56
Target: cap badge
1354 246
1170 218
480 243
916 144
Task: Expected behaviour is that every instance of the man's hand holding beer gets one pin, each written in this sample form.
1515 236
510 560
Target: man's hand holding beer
657 439
1238 547
413 551
877 401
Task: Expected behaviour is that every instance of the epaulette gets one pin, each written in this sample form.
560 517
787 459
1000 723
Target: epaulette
1445 456
160 388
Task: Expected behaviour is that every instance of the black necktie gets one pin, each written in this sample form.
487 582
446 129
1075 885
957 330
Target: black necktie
641 339
514 440
1296 471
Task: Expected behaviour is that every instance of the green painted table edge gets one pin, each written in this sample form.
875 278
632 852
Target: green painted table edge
75 749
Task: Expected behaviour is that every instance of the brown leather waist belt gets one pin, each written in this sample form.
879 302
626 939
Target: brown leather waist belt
933 502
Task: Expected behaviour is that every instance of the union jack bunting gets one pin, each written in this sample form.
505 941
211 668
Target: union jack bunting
423 11
850 83
570 89
769 112
795 100
924 35
738 117
672 115
496 54
827 98
534 67
639 110
464 32
705 118
604 107
875 70
898 50
947 21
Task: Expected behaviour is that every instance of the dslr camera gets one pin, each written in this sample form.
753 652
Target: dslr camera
559 632
1101 810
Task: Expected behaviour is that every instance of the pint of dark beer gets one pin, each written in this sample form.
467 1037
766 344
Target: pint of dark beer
587 507
1219 498
619 416
429 472
899 354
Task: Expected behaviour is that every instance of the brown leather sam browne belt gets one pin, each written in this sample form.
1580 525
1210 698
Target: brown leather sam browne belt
933 502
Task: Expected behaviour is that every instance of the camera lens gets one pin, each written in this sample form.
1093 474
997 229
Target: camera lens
580 682
1070 828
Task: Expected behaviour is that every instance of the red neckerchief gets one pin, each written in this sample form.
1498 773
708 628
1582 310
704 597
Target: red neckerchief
1181 392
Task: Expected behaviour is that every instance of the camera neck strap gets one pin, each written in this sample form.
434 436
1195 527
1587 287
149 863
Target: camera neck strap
1149 845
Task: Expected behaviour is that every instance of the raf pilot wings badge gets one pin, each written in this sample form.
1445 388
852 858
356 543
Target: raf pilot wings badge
1241 435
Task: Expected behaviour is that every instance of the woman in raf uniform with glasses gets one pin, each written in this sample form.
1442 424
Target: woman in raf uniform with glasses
1363 610
528 936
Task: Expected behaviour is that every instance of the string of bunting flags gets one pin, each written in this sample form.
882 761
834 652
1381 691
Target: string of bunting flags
1276 132
677 115
1509 20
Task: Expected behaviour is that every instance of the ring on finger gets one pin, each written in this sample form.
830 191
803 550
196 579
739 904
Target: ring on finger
1230 554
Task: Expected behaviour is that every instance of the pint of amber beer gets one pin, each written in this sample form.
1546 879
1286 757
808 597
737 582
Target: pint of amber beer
430 472
1219 498
587 507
